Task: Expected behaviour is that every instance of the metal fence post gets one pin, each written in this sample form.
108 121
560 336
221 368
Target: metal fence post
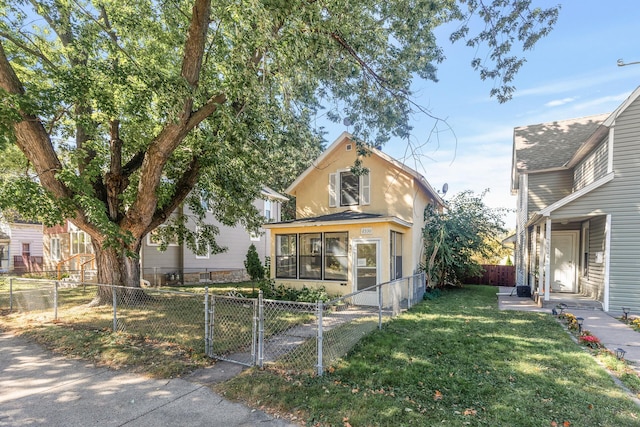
55 300
11 294
260 329
115 309
319 309
206 320
379 306
411 279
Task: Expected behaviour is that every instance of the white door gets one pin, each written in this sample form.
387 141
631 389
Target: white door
366 271
564 261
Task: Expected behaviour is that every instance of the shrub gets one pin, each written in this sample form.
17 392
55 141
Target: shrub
283 293
254 267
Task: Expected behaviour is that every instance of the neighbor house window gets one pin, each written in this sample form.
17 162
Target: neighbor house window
54 248
395 251
202 248
267 210
335 256
310 256
153 238
80 243
348 189
4 256
26 250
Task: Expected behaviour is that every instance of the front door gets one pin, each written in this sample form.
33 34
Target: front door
366 271
564 261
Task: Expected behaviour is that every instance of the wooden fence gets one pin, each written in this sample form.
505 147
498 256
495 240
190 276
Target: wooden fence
496 275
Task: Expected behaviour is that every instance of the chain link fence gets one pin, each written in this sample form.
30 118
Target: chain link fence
160 315
303 336
251 331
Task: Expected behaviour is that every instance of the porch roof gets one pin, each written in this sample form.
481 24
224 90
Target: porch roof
345 217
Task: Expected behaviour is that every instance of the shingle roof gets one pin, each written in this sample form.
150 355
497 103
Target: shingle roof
339 216
551 145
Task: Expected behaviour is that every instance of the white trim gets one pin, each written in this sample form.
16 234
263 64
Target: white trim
576 195
541 246
575 235
354 261
610 150
547 259
607 262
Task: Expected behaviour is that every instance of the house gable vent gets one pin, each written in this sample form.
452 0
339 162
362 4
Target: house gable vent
349 147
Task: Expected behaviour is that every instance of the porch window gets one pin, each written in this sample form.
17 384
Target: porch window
54 248
286 262
335 258
395 252
311 256
26 250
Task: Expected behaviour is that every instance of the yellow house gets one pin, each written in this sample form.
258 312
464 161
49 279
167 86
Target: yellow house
351 232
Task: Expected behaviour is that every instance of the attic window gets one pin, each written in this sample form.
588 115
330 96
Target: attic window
349 147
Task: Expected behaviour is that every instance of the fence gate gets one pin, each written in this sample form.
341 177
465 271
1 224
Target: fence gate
232 329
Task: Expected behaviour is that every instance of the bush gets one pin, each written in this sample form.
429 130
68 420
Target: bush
283 293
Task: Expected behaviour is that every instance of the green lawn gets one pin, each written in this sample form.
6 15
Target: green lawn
456 361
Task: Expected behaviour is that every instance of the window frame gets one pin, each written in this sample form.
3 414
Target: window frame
291 255
394 236
55 251
326 255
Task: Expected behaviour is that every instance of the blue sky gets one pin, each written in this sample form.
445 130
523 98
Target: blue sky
571 73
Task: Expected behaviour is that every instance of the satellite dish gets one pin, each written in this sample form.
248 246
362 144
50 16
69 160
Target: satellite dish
445 188
347 121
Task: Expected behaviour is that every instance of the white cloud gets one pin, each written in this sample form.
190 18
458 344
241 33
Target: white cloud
559 102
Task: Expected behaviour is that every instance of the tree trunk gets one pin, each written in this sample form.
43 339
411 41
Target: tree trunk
118 269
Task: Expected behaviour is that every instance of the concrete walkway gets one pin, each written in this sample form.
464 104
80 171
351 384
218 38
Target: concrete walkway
612 333
41 389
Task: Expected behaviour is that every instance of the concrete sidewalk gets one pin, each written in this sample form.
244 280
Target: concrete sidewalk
38 388
612 333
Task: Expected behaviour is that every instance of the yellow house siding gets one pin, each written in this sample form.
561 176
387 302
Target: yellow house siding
392 190
367 231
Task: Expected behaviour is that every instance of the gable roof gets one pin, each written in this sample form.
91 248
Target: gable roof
560 144
374 151
270 193
551 145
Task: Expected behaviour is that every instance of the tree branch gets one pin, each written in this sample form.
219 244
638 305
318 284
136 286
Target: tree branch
34 52
183 187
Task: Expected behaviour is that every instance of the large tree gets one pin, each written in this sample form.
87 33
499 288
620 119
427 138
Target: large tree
125 110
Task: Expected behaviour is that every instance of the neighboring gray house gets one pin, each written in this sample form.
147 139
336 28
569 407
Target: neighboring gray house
578 215
178 264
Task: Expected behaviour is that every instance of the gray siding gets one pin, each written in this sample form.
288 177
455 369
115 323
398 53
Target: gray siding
547 188
592 168
621 199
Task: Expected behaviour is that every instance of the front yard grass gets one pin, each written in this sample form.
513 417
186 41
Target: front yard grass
457 361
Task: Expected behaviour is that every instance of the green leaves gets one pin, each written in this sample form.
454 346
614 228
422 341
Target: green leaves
455 238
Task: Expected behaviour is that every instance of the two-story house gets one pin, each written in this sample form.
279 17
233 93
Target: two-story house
178 264
351 231
578 213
